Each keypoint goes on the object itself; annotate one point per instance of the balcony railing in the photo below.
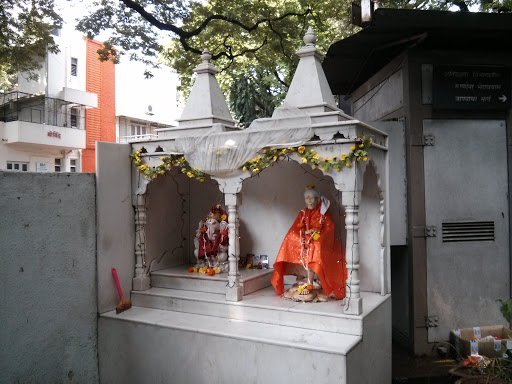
(39, 109)
(133, 138)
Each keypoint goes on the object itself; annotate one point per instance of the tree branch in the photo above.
(461, 4)
(183, 34)
(281, 81)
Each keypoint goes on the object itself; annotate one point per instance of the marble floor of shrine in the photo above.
(183, 327)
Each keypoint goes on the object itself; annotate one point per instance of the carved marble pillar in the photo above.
(382, 240)
(234, 289)
(141, 281)
(353, 303)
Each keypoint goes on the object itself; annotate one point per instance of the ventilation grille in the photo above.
(468, 231)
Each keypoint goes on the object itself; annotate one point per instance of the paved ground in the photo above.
(408, 369)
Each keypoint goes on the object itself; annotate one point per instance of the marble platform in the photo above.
(188, 333)
(178, 277)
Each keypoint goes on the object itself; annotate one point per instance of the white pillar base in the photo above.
(141, 283)
(234, 294)
(352, 306)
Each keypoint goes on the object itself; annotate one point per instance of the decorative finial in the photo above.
(310, 37)
(206, 57)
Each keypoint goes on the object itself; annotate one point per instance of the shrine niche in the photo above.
(256, 175)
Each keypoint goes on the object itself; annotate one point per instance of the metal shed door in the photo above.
(467, 212)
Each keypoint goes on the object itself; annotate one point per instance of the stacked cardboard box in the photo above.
(492, 341)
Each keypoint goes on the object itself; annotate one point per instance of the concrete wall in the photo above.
(47, 279)
(383, 99)
(116, 225)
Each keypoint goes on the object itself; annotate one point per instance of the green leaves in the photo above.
(506, 309)
(25, 35)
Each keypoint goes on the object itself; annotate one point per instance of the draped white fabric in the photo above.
(220, 153)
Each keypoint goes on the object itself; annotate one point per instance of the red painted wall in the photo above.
(100, 123)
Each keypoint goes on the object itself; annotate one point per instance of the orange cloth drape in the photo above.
(325, 257)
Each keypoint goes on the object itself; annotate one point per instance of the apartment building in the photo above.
(43, 124)
(53, 124)
(144, 105)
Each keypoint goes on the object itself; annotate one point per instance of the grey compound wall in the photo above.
(48, 312)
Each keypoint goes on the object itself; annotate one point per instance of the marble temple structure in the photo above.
(232, 327)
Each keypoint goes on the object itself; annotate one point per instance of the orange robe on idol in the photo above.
(325, 256)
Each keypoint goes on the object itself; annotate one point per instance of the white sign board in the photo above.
(42, 166)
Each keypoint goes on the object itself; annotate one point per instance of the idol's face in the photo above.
(311, 201)
(212, 226)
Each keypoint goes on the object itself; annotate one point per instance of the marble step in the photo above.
(263, 306)
(178, 277)
(143, 345)
(304, 339)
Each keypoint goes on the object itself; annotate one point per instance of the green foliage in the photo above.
(131, 33)
(506, 309)
(253, 95)
(253, 43)
(261, 61)
(25, 36)
(496, 5)
(442, 5)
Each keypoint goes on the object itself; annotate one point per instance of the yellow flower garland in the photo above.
(358, 152)
(167, 163)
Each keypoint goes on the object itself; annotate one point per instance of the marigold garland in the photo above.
(358, 152)
(167, 163)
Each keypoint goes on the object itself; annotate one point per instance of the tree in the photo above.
(252, 41)
(256, 81)
(25, 36)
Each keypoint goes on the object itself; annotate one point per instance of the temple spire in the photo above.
(309, 89)
(206, 104)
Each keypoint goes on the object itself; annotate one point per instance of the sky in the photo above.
(74, 9)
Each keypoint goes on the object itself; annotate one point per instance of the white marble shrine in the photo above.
(347, 341)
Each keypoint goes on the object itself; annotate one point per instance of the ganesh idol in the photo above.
(311, 252)
(211, 241)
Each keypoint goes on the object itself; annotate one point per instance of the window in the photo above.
(137, 129)
(74, 117)
(74, 65)
(58, 165)
(72, 165)
(17, 166)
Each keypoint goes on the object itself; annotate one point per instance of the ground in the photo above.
(408, 369)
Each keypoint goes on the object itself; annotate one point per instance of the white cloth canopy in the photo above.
(220, 153)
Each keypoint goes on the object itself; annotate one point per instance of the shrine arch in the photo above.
(271, 201)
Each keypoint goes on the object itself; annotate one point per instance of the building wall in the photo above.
(100, 122)
(143, 129)
(54, 75)
(34, 86)
(55, 72)
(72, 45)
(402, 90)
(135, 93)
(47, 279)
(35, 157)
